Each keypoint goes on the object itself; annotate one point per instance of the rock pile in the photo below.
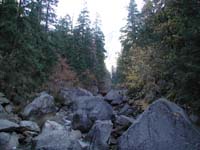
(87, 122)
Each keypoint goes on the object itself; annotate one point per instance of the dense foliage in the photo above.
(26, 52)
(82, 45)
(31, 40)
(161, 52)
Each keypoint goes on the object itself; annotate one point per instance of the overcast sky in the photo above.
(113, 15)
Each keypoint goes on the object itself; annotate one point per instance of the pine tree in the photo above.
(128, 39)
(49, 12)
(99, 50)
(165, 55)
(25, 50)
(83, 39)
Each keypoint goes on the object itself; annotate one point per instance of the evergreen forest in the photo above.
(161, 52)
(33, 40)
(61, 90)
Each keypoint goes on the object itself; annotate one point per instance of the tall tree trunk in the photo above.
(47, 17)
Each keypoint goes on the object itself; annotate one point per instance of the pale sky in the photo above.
(113, 15)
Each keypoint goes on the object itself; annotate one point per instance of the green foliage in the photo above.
(25, 49)
(29, 46)
(82, 45)
(164, 51)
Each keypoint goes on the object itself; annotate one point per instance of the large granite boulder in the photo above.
(98, 136)
(3, 100)
(30, 125)
(51, 126)
(163, 126)
(127, 110)
(68, 95)
(8, 141)
(116, 96)
(124, 121)
(43, 104)
(88, 109)
(7, 126)
(55, 137)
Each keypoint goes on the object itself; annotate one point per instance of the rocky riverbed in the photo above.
(77, 120)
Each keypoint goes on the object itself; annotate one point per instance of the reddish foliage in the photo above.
(62, 76)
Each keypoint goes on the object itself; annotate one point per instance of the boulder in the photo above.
(81, 121)
(163, 126)
(2, 110)
(41, 105)
(126, 110)
(194, 118)
(88, 109)
(94, 90)
(4, 101)
(56, 140)
(30, 125)
(55, 137)
(9, 108)
(121, 124)
(64, 117)
(68, 95)
(124, 121)
(2, 95)
(99, 135)
(5, 105)
(51, 126)
(11, 117)
(54, 126)
(116, 96)
(75, 134)
(8, 141)
(7, 126)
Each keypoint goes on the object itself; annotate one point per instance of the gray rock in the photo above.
(75, 134)
(8, 141)
(124, 120)
(9, 108)
(163, 126)
(194, 118)
(2, 110)
(41, 105)
(115, 96)
(81, 121)
(63, 117)
(94, 90)
(30, 125)
(84, 145)
(6, 125)
(99, 135)
(126, 110)
(121, 124)
(4, 101)
(88, 109)
(55, 137)
(11, 117)
(56, 140)
(2, 95)
(68, 95)
(51, 126)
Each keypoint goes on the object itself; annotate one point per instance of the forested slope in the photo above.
(33, 40)
(161, 52)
